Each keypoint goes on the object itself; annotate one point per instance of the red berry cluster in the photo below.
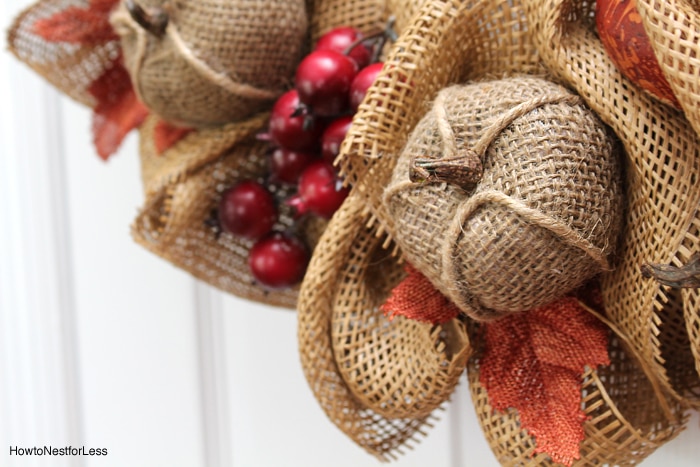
(307, 126)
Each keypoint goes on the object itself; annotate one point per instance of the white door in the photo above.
(106, 346)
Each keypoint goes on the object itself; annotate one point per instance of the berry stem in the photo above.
(378, 39)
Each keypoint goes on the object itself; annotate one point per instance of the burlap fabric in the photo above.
(70, 68)
(543, 218)
(378, 380)
(183, 186)
(217, 61)
(663, 166)
(625, 424)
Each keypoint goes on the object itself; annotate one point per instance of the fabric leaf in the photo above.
(534, 361)
(166, 135)
(416, 298)
(118, 109)
(78, 25)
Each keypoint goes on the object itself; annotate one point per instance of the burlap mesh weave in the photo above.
(183, 187)
(217, 61)
(543, 219)
(71, 68)
(625, 424)
(663, 195)
(378, 380)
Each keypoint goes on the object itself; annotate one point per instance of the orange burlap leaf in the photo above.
(166, 135)
(77, 25)
(416, 298)
(118, 110)
(533, 362)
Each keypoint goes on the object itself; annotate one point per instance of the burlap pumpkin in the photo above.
(378, 380)
(215, 61)
(544, 216)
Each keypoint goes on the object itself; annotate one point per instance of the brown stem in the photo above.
(155, 20)
(464, 170)
(379, 39)
(687, 276)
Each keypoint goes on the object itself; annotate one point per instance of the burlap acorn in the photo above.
(378, 380)
(203, 63)
(546, 207)
(662, 151)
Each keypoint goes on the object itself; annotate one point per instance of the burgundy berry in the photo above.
(300, 132)
(362, 82)
(286, 165)
(340, 39)
(333, 137)
(278, 260)
(323, 81)
(248, 210)
(319, 191)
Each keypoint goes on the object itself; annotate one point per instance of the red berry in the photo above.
(293, 132)
(319, 191)
(333, 137)
(248, 209)
(287, 165)
(278, 260)
(339, 39)
(323, 81)
(362, 82)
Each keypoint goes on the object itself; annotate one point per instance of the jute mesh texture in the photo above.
(663, 195)
(378, 380)
(218, 61)
(544, 217)
(70, 68)
(626, 422)
(183, 187)
(452, 42)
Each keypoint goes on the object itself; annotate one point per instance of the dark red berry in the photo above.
(248, 210)
(333, 137)
(362, 82)
(286, 165)
(323, 81)
(320, 191)
(340, 39)
(300, 132)
(278, 260)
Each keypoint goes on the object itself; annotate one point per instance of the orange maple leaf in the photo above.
(534, 361)
(118, 109)
(78, 25)
(165, 135)
(416, 298)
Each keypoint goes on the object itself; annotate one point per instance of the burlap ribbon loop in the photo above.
(662, 152)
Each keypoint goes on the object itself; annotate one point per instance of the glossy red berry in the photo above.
(319, 191)
(323, 81)
(300, 132)
(286, 165)
(333, 137)
(340, 39)
(278, 260)
(362, 82)
(248, 210)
